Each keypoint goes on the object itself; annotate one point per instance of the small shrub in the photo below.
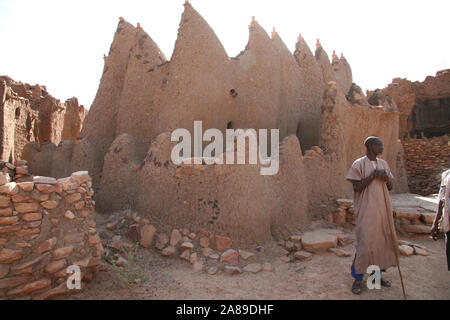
(131, 273)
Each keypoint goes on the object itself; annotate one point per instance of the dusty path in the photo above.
(324, 277)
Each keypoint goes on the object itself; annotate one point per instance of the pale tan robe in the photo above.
(376, 240)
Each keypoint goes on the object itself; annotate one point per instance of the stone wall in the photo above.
(46, 225)
(426, 159)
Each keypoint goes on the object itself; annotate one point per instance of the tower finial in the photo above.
(138, 27)
(274, 32)
(334, 56)
(252, 23)
(318, 45)
(299, 38)
(186, 3)
(342, 57)
(121, 19)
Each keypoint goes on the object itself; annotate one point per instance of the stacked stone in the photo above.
(408, 219)
(414, 220)
(46, 225)
(344, 214)
(302, 247)
(18, 172)
(426, 159)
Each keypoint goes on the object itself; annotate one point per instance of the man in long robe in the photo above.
(442, 221)
(376, 241)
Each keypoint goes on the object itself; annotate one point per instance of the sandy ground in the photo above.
(324, 277)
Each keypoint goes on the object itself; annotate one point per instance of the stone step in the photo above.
(317, 241)
(428, 217)
(410, 213)
(417, 228)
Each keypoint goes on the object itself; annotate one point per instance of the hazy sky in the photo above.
(61, 43)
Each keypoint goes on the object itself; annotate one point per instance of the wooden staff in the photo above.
(395, 246)
(400, 273)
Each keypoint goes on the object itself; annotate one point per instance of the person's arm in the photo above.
(360, 185)
(435, 227)
(389, 182)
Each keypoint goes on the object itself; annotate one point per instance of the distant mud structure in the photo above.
(424, 128)
(30, 114)
(322, 117)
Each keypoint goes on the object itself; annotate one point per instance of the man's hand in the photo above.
(381, 174)
(435, 232)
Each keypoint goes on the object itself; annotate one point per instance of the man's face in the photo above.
(377, 147)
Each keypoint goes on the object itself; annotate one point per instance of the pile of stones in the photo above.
(202, 250)
(303, 247)
(46, 226)
(344, 214)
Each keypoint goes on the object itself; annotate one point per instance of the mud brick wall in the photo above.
(30, 114)
(46, 225)
(426, 159)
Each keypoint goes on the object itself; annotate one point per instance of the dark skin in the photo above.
(435, 228)
(374, 149)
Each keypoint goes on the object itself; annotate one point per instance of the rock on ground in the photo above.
(420, 251)
(406, 250)
(340, 252)
(230, 256)
(317, 241)
(161, 240)
(147, 234)
(169, 251)
(253, 268)
(302, 255)
(231, 270)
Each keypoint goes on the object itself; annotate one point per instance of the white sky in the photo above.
(61, 44)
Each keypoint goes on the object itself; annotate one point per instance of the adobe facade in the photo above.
(125, 141)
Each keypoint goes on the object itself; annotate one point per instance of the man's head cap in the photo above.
(370, 140)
